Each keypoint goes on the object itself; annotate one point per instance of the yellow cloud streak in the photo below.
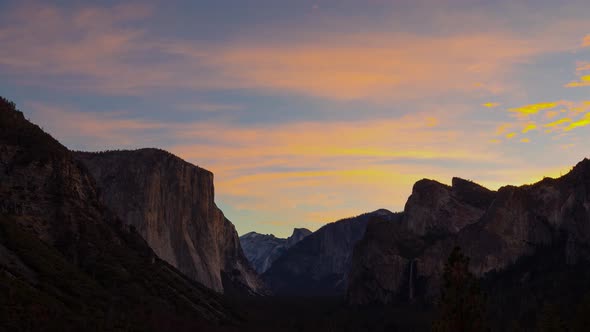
(580, 123)
(584, 81)
(557, 123)
(526, 110)
(491, 105)
(529, 127)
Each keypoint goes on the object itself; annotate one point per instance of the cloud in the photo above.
(527, 110)
(582, 66)
(580, 123)
(528, 127)
(557, 123)
(209, 107)
(491, 105)
(551, 114)
(502, 128)
(525, 140)
(586, 41)
(575, 118)
(110, 50)
(584, 81)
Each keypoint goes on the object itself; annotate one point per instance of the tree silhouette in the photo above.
(461, 307)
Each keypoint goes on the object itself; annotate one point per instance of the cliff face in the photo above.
(437, 209)
(262, 250)
(319, 264)
(64, 254)
(171, 204)
(494, 229)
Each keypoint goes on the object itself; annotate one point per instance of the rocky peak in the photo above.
(472, 193)
(298, 235)
(262, 250)
(436, 208)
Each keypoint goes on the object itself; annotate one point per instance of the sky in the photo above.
(311, 111)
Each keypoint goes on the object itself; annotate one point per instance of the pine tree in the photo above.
(462, 305)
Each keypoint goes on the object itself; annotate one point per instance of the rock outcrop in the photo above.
(319, 264)
(262, 250)
(66, 261)
(495, 229)
(171, 204)
(437, 209)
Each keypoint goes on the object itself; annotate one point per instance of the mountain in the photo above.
(171, 205)
(319, 264)
(401, 261)
(67, 262)
(263, 249)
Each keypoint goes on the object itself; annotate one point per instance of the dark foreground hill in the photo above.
(67, 262)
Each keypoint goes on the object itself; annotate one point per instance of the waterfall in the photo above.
(411, 281)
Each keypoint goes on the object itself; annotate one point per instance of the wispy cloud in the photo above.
(490, 105)
(97, 49)
(584, 81)
(527, 110)
(580, 123)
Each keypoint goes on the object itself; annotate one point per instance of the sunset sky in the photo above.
(311, 111)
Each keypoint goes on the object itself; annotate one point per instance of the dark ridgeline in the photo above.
(319, 264)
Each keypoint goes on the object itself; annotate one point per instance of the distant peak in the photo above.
(426, 185)
(382, 212)
(304, 231)
(250, 234)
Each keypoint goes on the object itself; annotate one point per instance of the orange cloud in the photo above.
(369, 65)
(525, 140)
(582, 66)
(501, 129)
(551, 114)
(586, 41)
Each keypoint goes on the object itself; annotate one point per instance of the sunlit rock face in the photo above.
(171, 204)
(319, 264)
(495, 229)
(262, 250)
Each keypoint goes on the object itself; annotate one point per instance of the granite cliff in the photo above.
(171, 205)
(262, 250)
